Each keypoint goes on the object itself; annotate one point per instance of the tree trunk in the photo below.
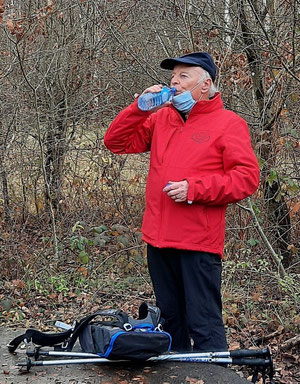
(56, 149)
(278, 215)
(278, 212)
(4, 182)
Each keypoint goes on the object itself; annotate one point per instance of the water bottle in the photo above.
(149, 100)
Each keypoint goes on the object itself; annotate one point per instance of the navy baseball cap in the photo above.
(198, 59)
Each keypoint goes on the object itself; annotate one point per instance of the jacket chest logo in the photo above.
(200, 137)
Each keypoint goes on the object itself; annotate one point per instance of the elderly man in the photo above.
(201, 160)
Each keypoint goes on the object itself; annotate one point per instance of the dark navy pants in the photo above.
(187, 287)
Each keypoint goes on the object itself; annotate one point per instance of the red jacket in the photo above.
(211, 150)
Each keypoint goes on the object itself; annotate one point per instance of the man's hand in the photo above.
(177, 190)
(155, 89)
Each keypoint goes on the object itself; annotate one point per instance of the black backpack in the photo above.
(109, 333)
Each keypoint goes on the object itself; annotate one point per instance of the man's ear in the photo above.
(206, 85)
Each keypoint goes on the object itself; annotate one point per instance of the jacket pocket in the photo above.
(186, 224)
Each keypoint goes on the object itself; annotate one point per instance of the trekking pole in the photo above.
(260, 360)
(41, 363)
(223, 360)
(232, 355)
(259, 364)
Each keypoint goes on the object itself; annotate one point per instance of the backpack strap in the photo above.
(39, 338)
(44, 339)
(148, 314)
(155, 314)
(120, 319)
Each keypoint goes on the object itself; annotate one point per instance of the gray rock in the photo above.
(140, 373)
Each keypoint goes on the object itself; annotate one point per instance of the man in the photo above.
(201, 160)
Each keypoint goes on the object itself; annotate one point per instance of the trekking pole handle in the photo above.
(240, 353)
(252, 362)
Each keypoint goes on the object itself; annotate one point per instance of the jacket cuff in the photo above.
(191, 191)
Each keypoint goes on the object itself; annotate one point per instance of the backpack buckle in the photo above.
(158, 328)
(127, 327)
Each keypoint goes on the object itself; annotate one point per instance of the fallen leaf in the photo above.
(295, 209)
(18, 283)
(235, 345)
(193, 380)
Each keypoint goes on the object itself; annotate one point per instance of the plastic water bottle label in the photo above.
(165, 95)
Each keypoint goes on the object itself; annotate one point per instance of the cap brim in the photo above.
(170, 63)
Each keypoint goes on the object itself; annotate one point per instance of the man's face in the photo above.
(185, 77)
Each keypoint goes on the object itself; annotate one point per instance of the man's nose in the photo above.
(174, 81)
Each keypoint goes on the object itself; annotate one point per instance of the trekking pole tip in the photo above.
(27, 363)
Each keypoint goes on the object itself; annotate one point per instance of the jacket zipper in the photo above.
(164, 197)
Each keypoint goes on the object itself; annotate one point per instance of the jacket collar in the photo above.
(207, 106)
(203, 106)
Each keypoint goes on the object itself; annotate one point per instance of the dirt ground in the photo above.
(123, 373)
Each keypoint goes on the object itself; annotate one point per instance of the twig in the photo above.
(258, 227)
(190, 28)
(290, 343)
(276, 333)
